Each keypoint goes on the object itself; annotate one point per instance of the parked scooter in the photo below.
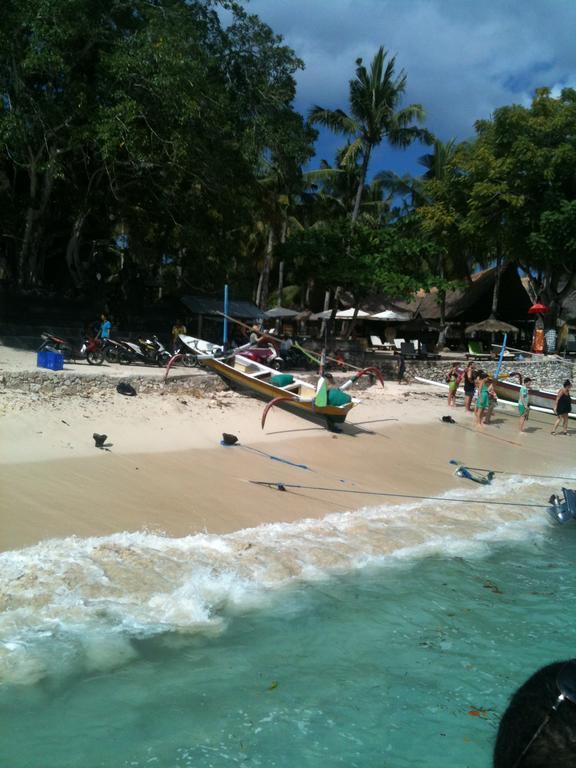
(265, 355)
(149, 351)
(90, 349)
(51, 343)
(112, 349)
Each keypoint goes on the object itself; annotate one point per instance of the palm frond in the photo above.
(334, 119)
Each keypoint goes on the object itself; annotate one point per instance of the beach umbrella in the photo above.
(326, 315)
(348, 314)
(491, 325)
(538, 309)
(279, 312)
(391, 316)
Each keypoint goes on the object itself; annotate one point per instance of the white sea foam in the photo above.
(77, 603)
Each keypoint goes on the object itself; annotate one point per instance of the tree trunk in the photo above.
(30, 263)
(496, 291)
(354, 320)
(280, 282)
(73, 249)
(361, 183)
(264, 288)
(441, 343)
(325, 309)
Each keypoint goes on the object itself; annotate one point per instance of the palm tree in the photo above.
(374, 115)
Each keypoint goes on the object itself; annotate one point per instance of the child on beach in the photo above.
(524, 403)
(492, 402)
(453, 380)
(562, 407)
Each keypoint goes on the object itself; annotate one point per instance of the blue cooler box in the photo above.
(54, 361)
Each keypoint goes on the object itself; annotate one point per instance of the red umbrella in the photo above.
(538, 309)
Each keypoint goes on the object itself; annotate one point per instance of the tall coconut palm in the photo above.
(374, 98)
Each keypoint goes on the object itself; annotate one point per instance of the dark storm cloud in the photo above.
(464, 58)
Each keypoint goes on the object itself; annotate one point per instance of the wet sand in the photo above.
(166, 471)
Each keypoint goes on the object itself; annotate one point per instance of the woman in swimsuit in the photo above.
(469, 377)
(562, 407)
(452, 379)
(483, 400)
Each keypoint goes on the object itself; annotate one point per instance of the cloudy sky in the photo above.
(463, 58)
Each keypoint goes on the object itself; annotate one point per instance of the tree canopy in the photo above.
(148, 146)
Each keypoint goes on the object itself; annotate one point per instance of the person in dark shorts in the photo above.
(469, 386)
(562, 407)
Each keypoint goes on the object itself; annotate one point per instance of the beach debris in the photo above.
(64, 422)
(492, 587)
(466, 474)
(479, 712)
(228, 439)
(99, 440)
(448, 420)
(124, 388)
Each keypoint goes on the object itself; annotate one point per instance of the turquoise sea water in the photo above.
(400, 661)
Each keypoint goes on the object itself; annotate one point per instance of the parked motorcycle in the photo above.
(265, 355)
(149, 351)
(51, 343)
(112, 349)
(90, 349)
(295, 359)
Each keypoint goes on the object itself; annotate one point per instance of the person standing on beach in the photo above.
(492, 402)
(177, 329)
(105, 326)
(524, 403)
(453, 380)
(401, 369)
(562, 407)
(469, 386)
(483, 400)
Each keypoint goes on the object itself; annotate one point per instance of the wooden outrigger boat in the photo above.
(541, 399)
(297, 395)
(292, 393)
(509, 392)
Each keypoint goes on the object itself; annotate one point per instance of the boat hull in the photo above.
(508, 390)
(264, 390)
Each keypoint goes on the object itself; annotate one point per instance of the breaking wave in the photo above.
(76, 604)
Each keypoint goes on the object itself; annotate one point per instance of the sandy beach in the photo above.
(165, 470)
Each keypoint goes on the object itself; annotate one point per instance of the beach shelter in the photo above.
(280, 312)
(391, 316)
(348, 314)
(491, 325)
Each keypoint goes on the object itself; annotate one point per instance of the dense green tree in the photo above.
(143, 120)
(521, 175)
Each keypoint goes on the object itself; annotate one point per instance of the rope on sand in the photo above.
(286, 486)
